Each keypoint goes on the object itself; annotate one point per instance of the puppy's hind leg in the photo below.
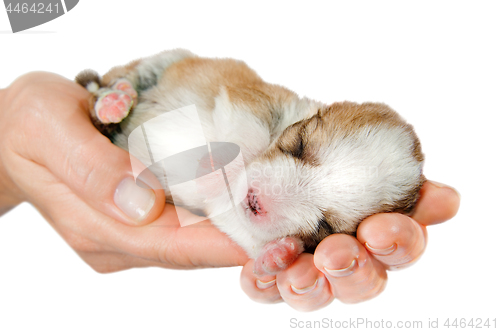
(107, 106)
(144, 73)
(115, 95)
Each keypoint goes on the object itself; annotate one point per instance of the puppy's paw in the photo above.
(112, 106)
(277, 255)
(124, 85)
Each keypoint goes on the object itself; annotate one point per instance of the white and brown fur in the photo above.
(339, 163)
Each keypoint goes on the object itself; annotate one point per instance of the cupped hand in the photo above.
(52, 156)
(354, 269)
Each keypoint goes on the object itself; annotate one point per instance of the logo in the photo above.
(26, 14)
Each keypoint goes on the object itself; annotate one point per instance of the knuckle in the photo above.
(375, 287)
(248, 283)
(175, 253)
(79, 166)
(374, 292)
(104, 263)
(80, 244)
(366, 295)
(169, 253)
(104, 269)
(268, 296)
(407, 255)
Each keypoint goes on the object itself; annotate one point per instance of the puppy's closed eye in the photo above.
(298, 141)
(292, 143)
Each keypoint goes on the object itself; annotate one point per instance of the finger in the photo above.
(109, 262)
(163, 241)
(199, 244)
(437, 203)
(102, 257)
(260, 289)
(86, 161)
(303, 286)
(394, 239)
(354, 276)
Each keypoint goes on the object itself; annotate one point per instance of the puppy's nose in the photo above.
(254, 203)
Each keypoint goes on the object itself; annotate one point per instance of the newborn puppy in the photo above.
(311, 169)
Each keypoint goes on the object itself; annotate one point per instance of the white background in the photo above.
(436, 63)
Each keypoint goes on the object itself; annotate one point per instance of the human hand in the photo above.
(52, 156)
(354, 270)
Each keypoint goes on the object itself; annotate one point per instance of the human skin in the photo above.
(52, 157)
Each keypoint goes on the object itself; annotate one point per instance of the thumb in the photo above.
(81, 157)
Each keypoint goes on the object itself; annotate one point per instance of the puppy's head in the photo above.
(325, 174)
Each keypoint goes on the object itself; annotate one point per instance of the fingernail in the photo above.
(134, 201)
(381, 252)
(342, 272)
(301, 291)
(442, 185)
(265, 285)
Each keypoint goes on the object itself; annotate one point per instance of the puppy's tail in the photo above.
(89, 79)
